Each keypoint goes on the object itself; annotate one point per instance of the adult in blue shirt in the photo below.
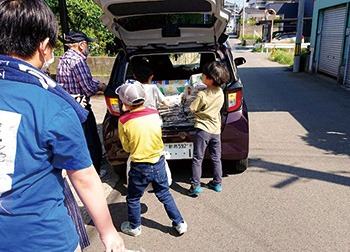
(40, 135)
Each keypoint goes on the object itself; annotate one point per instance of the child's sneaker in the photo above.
(128, 230)
(195, 191)
(217, 188)
(181, 227)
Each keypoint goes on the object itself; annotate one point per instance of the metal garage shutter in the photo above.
(331, 40)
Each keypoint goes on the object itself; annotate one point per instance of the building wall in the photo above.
(289, 10)
(319, 7)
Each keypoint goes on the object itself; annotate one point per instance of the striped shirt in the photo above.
(74, 75)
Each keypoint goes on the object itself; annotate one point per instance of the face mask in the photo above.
(86, 52)
(47, 63)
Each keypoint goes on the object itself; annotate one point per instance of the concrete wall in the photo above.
(249, 30)
(100, 67)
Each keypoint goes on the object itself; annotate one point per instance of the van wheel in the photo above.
(235, 166)
(240, 166)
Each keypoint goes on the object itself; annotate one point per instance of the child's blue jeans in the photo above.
(140, 175)
(202, 140)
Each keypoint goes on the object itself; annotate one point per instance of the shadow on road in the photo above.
(155, 225)
(120, 214)
(319, 105)
(297, 173)
(181, 173)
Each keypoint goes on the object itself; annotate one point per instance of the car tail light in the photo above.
(234, 100)
(113, 105)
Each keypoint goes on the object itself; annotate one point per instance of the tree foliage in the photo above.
(84, 15)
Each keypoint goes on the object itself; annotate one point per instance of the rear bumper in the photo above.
(234, 138)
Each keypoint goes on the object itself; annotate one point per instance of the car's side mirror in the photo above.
(240, 61)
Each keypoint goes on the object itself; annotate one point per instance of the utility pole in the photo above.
(243, 13)
(297, 50)
(64, 19)
(234, 17)
(270, 14)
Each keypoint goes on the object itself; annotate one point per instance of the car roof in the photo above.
(167, 24)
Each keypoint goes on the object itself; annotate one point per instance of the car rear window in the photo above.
(174, 66)
(169, 6)
(150, 22)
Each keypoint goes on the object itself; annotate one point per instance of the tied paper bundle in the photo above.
(196, 83)
(179, 113)
(176, 115)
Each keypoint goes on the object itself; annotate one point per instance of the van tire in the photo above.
(240, 166)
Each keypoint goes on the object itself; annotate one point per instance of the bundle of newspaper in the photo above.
(196, 83)
(179, 111)
(176, 115)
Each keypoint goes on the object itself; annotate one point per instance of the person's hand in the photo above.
(176, 100)
(84, 102)
(113, 242)
(102, 86)
(182, 97)
(81, 99)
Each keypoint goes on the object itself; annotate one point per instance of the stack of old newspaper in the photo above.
(179, 113)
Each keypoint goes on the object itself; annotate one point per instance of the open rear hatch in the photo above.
(154, 24)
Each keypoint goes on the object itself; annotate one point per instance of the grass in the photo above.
(282, 56)
(258, 49)
(249, 37)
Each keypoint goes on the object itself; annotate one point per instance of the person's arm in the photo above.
(166, 103)
(63, 134)
(89, 85)
(160, 97)
(196, 104)
(88, 185)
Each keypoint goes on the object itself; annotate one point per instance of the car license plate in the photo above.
(178, 150)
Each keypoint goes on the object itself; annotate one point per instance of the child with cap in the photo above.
(141, 136)
(206, 107)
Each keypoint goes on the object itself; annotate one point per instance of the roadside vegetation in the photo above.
(258, 49)
(84, 15)
(256, 38)
(282, 56)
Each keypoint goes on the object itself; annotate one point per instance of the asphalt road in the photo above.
(294, 195)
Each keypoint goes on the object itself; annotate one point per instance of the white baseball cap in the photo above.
(131, 93)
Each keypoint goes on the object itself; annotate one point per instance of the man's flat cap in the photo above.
(76, 36)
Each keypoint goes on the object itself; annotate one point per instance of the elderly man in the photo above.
(74, 75)
(40, 134)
